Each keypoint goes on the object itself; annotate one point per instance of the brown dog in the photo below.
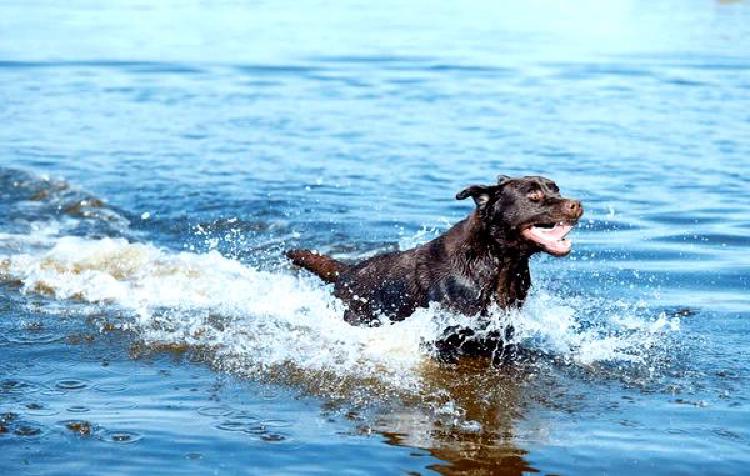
(481, 260)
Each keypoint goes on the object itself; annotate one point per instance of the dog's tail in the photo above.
(324, 266)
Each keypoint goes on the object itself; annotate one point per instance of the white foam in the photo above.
(255, 319)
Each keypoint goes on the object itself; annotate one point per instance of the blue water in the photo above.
(156, 159)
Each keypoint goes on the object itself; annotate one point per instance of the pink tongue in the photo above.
(552, 239)
(556, 233)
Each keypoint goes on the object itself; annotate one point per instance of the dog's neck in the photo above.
(498, 264)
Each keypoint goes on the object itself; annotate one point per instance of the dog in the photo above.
(483, 260)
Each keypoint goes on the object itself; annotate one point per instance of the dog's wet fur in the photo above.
(482, 260)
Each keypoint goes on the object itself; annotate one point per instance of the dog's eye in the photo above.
(535, 196)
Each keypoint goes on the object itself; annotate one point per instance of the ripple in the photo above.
(78, 409)
(121, 405)
(728, 434)
(240, 421)
(28, 429)
(39, 369)
(37, 409)
(71, 384)
(16, 386)
(121, 437)
(257, 430)
(250, 425)
(110, 387)
(244, 415)
(232, 425)
(696, 403)
(34, 338)
(52, 392)
(8, 417)
(276, 423)
(215, 411)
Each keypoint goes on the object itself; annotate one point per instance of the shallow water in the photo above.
(156, 160)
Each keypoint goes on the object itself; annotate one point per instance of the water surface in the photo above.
(156, 160)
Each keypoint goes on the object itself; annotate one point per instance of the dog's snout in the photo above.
(573, 208)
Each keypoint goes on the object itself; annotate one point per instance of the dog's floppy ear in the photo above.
(501, 179)
(480, 193)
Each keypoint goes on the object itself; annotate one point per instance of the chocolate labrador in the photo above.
(481, 260)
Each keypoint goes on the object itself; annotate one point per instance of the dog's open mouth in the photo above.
(551, 237)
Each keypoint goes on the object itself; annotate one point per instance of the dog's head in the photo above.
(527, 211)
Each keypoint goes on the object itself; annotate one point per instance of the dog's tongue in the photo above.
(551, 239)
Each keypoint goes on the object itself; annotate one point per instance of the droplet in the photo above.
(471, 426)
(80, 427)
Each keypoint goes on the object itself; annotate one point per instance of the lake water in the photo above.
(156, 158)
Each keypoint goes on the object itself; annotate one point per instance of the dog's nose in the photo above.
(573, 208)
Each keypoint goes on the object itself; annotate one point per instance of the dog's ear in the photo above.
(501, 179)
(480, 193)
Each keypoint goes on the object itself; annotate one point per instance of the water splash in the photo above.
(254, 320)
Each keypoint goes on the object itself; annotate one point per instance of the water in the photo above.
(156, 160)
